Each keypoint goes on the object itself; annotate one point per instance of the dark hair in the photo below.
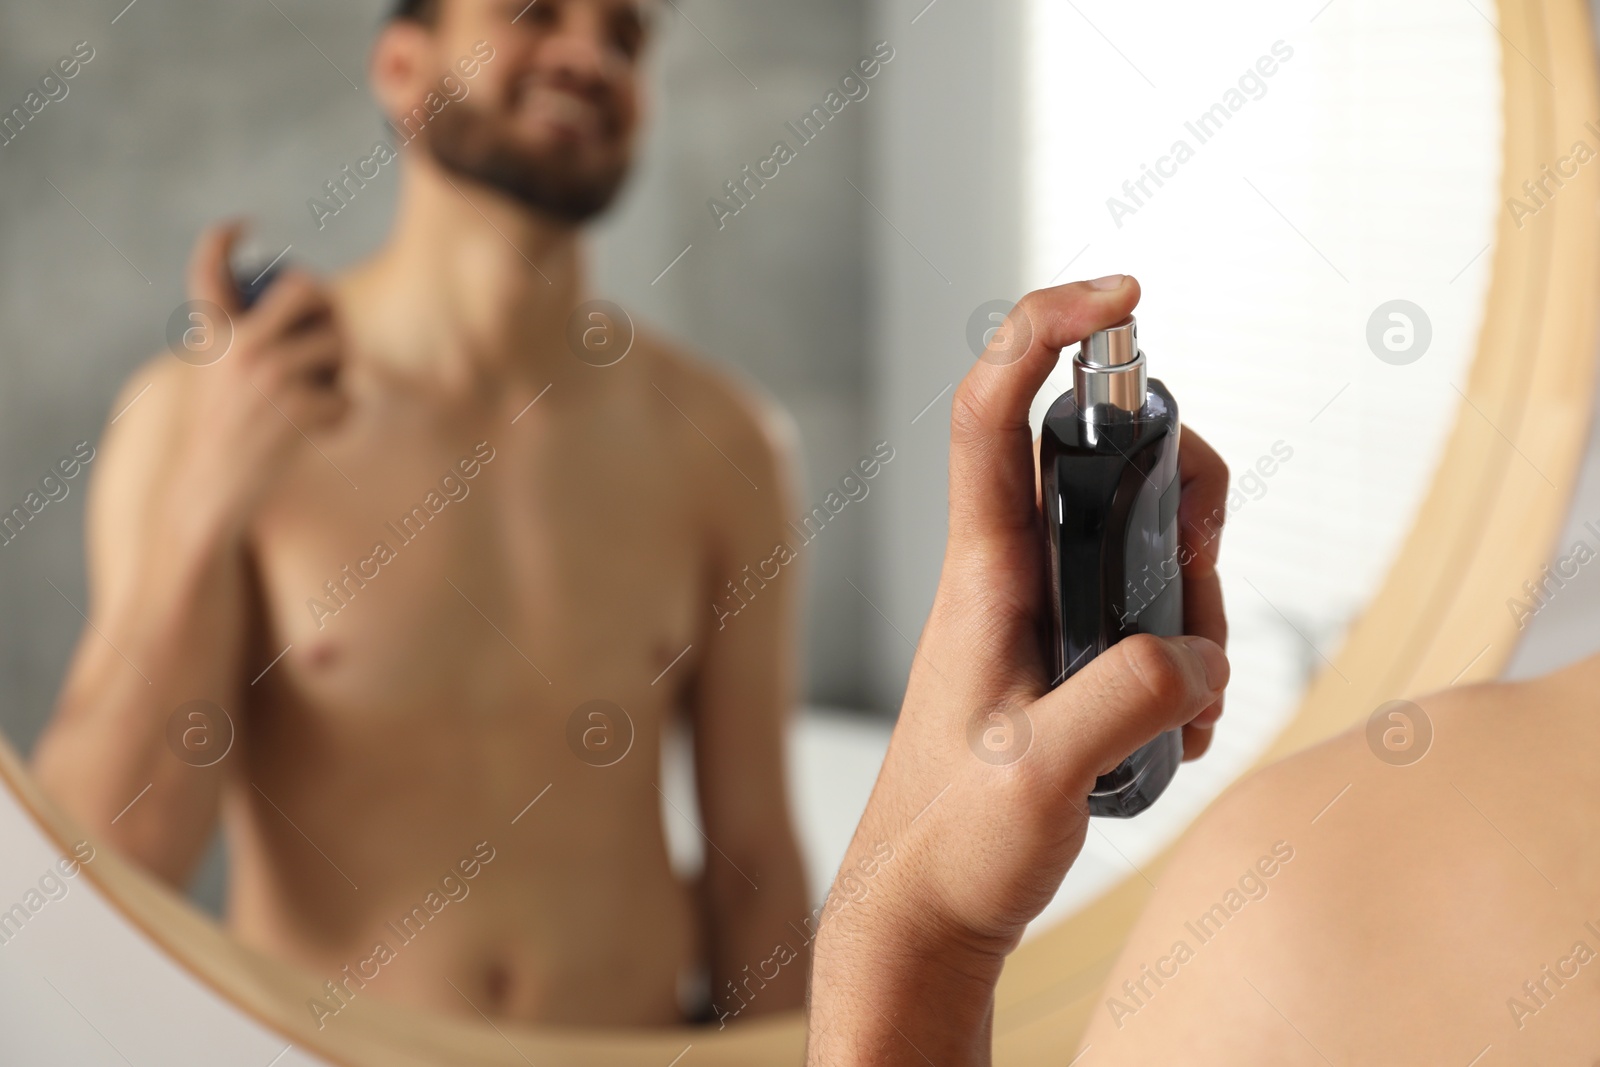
(416, 10)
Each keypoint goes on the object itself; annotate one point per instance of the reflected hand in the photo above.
(278, 378)
(984, 789)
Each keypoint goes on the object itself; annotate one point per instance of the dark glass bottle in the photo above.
(1108, 457)
(253, 284)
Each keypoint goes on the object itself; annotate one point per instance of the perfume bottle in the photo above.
(253, 283)
(1108, 458)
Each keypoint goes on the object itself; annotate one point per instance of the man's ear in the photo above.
(400, 66)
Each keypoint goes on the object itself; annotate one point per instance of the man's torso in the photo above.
(455, 581)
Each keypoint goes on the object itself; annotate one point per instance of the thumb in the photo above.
(210, 276)
(1127, 696)
(993, 505)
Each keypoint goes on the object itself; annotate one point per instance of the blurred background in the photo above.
(1341, 157)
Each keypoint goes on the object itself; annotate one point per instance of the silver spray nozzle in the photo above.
(1113, 346)
(1109, 370)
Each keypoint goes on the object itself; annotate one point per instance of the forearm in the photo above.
(172, 636)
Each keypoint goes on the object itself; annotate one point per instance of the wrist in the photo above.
(202, 520)
(893, 989)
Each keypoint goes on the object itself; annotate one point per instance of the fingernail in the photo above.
(1110, 281)
(1212, 659)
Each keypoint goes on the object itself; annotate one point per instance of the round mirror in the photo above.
(510, 791)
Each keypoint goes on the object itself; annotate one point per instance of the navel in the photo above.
(497, 986)
(322, 655)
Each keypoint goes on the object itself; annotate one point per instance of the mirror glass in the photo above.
(579, 600)
(1318, 223)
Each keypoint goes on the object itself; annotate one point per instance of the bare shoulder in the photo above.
(1338, 883)
(144, 417)
(141, 433)
(733, 431)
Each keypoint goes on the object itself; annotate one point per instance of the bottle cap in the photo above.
(1113, 346)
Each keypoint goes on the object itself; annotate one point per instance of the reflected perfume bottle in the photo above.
(1108, 459)
(253, 283)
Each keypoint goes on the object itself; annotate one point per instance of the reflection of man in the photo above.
(436, 568)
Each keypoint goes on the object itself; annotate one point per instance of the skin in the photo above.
(1449, 882)
(1442, 909)
(907, 975)
(404, 736)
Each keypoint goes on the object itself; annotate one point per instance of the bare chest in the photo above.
(494, 570)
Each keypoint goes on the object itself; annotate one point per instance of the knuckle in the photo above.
(299, 288)
(243, 355)
(1157, 667)
(272, 377)
(260, 352)
(297, 278)
(324, 342)
(967, 421)
(1031, 305)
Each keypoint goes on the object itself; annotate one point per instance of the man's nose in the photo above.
(577, 51)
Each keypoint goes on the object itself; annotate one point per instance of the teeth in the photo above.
(567, 107)
(560, 105)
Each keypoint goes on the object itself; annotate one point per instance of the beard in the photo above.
(553, 182)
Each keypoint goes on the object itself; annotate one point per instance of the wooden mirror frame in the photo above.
(1489, 521)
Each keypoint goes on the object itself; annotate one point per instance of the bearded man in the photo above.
(403, 577)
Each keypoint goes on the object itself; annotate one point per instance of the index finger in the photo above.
(1203, 505)
(1202, 510)
(210, 272)
(993, 505)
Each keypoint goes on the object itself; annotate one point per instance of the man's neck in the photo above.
(472, 285)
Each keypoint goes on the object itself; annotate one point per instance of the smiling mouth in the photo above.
(548, 107)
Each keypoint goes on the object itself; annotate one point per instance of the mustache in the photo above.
(605, 98)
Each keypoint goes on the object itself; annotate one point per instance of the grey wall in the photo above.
(191, 111)
(948, 165)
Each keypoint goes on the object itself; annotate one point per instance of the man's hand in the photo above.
(172, 500)
(277, 380)
(982, 826)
